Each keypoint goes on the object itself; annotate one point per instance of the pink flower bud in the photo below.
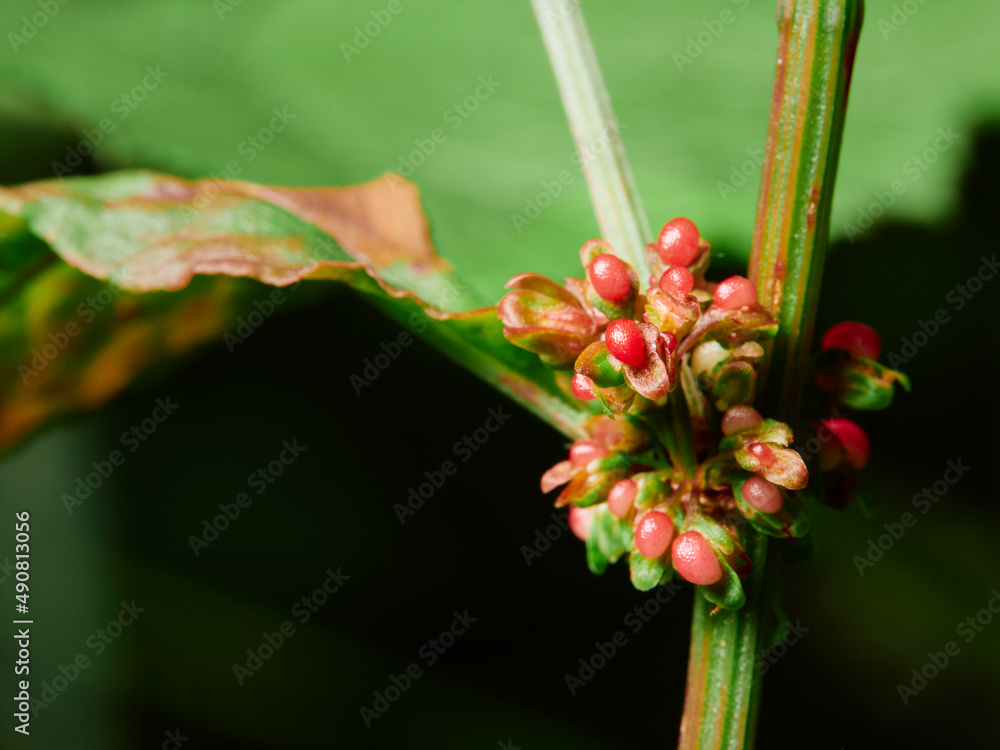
(734, 293)
(762, 495)
(695, 560)
(621, 496)
(582, 452)
(678, 242)
(653, 534)
(624, 341)
(677, 280)
(580, 520)
(609, 277)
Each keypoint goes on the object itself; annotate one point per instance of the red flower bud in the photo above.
(621, 496)
(677, 280)
(678, 242)
(762, 453)
(582, 452)
(859, 339)
(583, 387)
(625, 342)
(653, 534)
(762, 495)
(669, 342)
(852, 438)
(695, 560)
(734, 293)
(609, 277)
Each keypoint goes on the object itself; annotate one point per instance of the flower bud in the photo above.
(621, 497)
(580, 521)
(734, 293)
(857, 338)
(695, 560)
(762, 495)
(653, 533)
(678, 242)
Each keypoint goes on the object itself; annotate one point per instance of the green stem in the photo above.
(815, 54)
(721, 684)
(595, 130)
(815, 57)
(592, 121)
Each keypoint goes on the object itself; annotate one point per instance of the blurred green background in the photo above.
(691, 125)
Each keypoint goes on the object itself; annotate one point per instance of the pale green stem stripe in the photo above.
(595, 129)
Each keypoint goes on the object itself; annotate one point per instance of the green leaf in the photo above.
(647, 574)
(146, 232)
(226, 75)
(728, 591)
(609, 539)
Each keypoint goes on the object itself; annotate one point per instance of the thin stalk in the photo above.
(595, 130)
(817, 41)
(592, 120)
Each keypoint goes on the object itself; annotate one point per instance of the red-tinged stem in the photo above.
(817, 40)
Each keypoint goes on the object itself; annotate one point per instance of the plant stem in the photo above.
(592, 120)
(815, 54)
(595, 130)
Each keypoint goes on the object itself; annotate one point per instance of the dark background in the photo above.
(333, 507)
